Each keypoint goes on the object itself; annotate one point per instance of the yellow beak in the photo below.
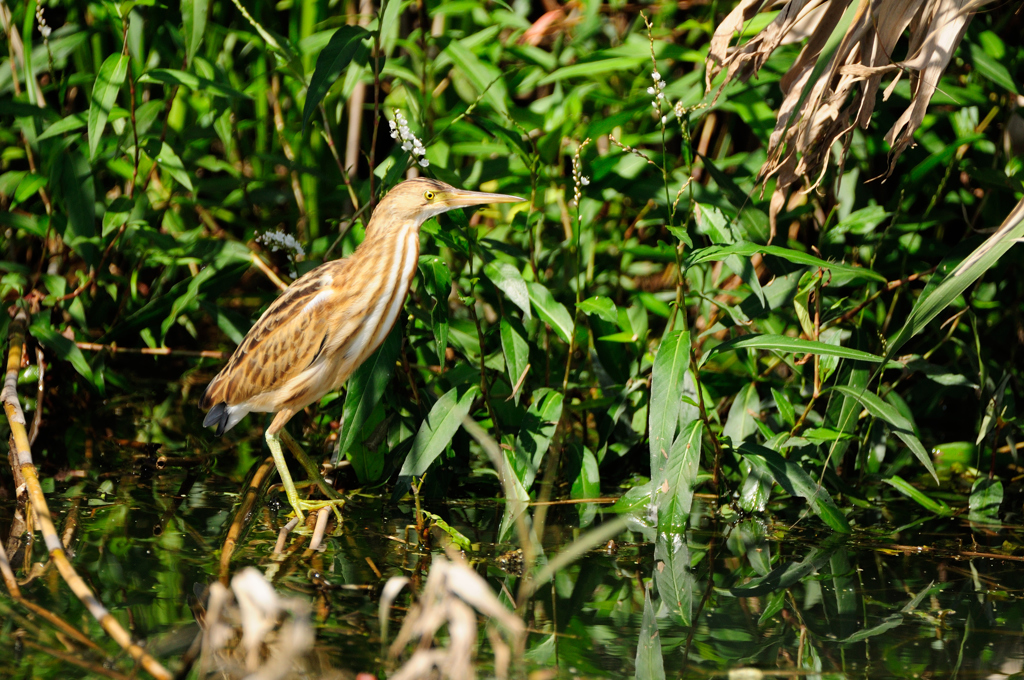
(460, 198)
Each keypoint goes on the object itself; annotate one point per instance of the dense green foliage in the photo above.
(162, 156)
(633, 330)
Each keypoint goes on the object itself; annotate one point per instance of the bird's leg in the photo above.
(312, 469)
(298, 505)
(274, 444)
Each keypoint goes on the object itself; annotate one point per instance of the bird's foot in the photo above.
(300, 507)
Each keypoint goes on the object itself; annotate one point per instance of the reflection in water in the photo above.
(152, 529)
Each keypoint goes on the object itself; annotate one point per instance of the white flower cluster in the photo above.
(658, 92)
(44, 30)
(410, 142)
(278, 240)
(579, 180)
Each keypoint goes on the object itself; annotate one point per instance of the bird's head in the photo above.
(422, 198)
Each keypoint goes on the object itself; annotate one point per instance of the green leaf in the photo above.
(935, 299)
(672, 573)
(586, 485)
(516, 499)
(842, 416)
(937, 507)
(718, 252)
(786, 410)
(517, 353)
(508, 279)
(536, 431)
(512, 138)
(190, 82)
(185, 300)
(650, 665)
(552, 312)
(622, 337)
(331, 63)
(441, 424)
(65, 349)
(667, 410)
(193, 15)
(782, 577)
(745, 409)
(756, 488)
(117, 213)
(901, 425)
(784, 343)
(367, 454)
(773, 605)
(366, 388)
(602, 307)
(170, 161)
(675, 494)
(458, 538)
(104, 92)
(992, 69)
(66, 124)
(486, 78)
(30, 184)
(81, 224)
(893, 620)
(591, 68)
(437, 279)
(796, 482)
(392, 10)
(986, 497)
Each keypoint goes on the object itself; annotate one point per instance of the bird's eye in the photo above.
(429, 195)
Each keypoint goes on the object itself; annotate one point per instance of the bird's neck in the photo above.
(387, 230)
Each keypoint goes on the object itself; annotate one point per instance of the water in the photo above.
(147, 527)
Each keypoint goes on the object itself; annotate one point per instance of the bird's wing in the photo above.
(287, 339)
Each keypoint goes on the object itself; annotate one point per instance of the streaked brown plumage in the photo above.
(311, 339)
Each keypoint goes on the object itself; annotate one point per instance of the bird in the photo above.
(329, 321)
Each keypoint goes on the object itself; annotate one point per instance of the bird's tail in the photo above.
(219, 416)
